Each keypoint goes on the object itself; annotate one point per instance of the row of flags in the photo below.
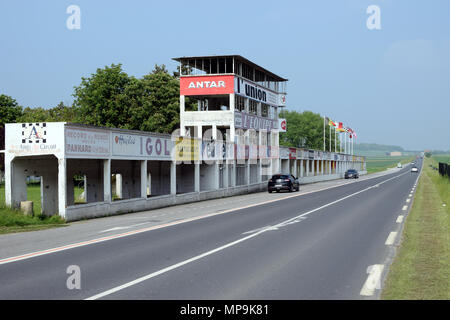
(339, 126)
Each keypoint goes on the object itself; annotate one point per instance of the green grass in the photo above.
(421, 269)
(14, 221)
(442, 158)
(377, 164)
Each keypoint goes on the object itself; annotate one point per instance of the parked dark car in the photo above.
(351, 174)
(280, 182)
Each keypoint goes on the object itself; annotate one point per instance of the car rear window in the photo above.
(280, 177)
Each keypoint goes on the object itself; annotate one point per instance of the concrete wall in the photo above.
(84, 211)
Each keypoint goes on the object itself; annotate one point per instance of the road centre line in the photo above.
(205, 254)
(151, 228)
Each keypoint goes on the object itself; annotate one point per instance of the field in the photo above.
(442, 158)
(422, 267)
(376, 164)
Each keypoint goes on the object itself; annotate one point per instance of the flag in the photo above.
(341, 127)
(331, 122)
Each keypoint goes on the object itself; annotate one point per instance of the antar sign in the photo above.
(206, 85)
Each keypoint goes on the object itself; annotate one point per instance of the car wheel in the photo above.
(269, 191)
(291, 189)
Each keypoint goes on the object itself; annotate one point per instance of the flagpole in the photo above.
(324, 133)
(334, 139)
(330, 138)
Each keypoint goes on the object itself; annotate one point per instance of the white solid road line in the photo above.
(133, 232)
(373, 280)
(391, 239)
(182, 263)
(399, 219)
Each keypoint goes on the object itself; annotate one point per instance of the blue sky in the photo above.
(392, 86)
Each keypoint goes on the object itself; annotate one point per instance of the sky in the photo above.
(391, 84)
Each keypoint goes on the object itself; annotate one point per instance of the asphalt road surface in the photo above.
(328, 243)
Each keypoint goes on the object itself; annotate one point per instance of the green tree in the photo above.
(38, 114)
(63, 113)
(155, 102)
(10, 110)
(305, 130)
(101, 98)
(111, 98)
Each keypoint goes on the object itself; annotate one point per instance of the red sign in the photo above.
(206, 85)
(292, 153)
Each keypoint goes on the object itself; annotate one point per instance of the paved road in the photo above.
(316, 244)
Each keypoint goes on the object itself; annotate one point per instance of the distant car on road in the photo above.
(399, 165)
(351, 174)
(280, 182)
(414, 169)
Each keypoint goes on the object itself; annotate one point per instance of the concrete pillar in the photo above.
(313, 168)
(225, 174)
(247, 172)
(144, 178)
(301, 168)
(119, 192)
(62, 193)
(329, 167)
(233, 173)
(307, 168)
(197, 176)
(106, 181)
(295, 168)
(216, 182)
(173, 178)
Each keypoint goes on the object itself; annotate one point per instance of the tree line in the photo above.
(112, 98)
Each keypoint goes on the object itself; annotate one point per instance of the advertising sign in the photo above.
(292, 153)
(256, 92)
(206, 85)
(87, 142)
(186, 149)
(157, 148)
(247, 121)
(34, 138)
(282, 126)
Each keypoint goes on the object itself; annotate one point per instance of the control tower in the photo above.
(237, 101)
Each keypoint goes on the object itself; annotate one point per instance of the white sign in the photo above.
(87, 142)
(247, 121)
(282, 127)
(258, 93)
(158, 148)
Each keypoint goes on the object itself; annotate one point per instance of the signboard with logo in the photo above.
(247, 121)
(282, 126)
(292, 153)
(87, 142)
(206, 85)
(34, 138)
(256, 92)
(150, 147)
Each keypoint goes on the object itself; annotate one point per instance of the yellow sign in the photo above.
(187, 149)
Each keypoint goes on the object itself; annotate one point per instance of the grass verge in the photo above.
(14, 221)
(421, 269)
